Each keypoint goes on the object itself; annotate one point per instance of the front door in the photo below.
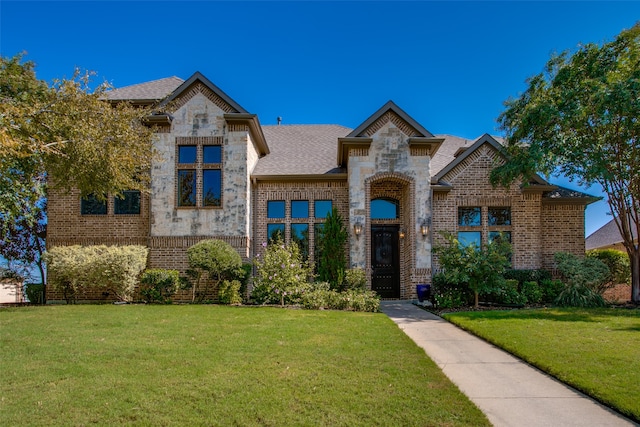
(385, 265)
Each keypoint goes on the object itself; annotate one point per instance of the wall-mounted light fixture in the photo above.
(401, 233)
(357, 228)
(424, 228)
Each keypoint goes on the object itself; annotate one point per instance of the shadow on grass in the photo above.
(552, 314)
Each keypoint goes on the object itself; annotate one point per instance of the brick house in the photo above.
(396, 185)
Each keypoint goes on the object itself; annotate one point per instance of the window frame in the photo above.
(200, 167)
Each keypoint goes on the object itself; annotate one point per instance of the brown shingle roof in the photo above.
(149, 91)
(301, 150)
(606, 236)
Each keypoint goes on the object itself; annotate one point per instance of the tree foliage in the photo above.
(579, 118)
(64, 135)
(480, 267)
(331, 242)
(216, 259)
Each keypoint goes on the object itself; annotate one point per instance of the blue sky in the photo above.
(450, 65)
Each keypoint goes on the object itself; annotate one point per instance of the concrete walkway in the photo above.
(509, 391)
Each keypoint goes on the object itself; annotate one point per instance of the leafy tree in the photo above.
(579, 117)
(63, 135)
(480, 267)
(332, 240)
(215, 258)
(22, 240)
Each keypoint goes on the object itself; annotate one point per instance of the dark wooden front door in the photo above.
(385, 265)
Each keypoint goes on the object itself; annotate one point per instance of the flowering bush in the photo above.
(282, 276)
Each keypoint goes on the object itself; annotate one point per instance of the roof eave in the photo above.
(347, 143)
(307, 177)
(433, 144)
(257, 136)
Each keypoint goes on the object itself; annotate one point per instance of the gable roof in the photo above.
(389, 106)
(606, 236)
(300, 150)
(199, 77)
(147, 92)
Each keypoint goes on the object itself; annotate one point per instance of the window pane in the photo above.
(129, 204)
(186, 187)
(299, 209)
(300, 235)
(211, 187)
(187, 154)
(499, 216)
(275, 232)
(92, 206)
(497, 235)
(275, 209)
(469, 217)
(317, 244)
(467, 238)
(384, 209)
(322, 208)
(212, 154)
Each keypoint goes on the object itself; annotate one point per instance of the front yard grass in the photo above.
(597, 351)
(216, 365)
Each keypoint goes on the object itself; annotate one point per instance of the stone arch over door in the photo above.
(394, 186)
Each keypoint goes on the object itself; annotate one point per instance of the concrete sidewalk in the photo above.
(509, 391)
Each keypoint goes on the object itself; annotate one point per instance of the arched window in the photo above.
(384, 208)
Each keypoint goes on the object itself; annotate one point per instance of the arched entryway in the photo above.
(389, 243)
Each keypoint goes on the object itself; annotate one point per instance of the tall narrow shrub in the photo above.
(332, 240)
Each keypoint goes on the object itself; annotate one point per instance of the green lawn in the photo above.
(597, 350)
(214, 365)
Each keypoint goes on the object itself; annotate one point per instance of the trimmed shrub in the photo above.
(215, 260)
(321, 297)
(531, 292)
(355, 278)
(159, 285)
(537, 275)
(331, 242)
(75, 269)
(505, 292)
(550, 289)
(229, 292)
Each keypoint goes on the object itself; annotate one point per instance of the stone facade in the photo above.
(389, 157)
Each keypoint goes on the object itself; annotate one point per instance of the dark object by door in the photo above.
(385, 271)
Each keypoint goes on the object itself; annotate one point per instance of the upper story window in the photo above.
(384, 209)
(199, 171)
(469, 217)
(90, 205)
(299, 209)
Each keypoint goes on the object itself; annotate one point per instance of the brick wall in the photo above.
(563, 231)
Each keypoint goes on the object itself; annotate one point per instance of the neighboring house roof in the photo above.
(150, 91)
(606, 236)
(301, 150)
